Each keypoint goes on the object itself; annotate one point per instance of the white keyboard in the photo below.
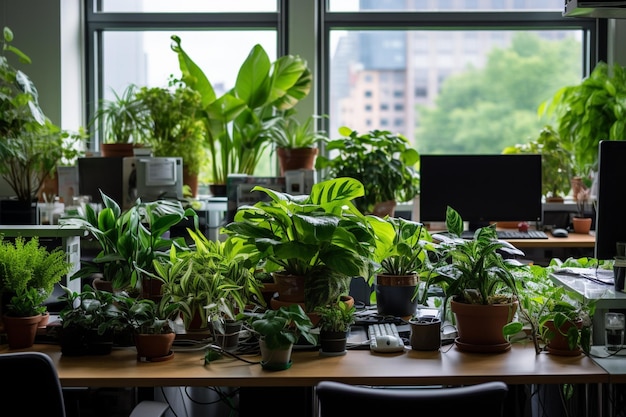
(384, 337)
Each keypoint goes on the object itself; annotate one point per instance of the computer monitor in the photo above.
(610, 214)
(481, 188)
(159, 178)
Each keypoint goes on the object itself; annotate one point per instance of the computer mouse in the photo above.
(559, 232)
(388, 343)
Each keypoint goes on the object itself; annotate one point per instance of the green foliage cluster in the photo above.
(336, 317)
(238, 122)
(91, 309)
(588, 112)
(172, 122)
(282, 327)
(27, 303)
(474, 270)
(321, 236)
(485, 109)
(129, 240)
(31, 145)
(25, 264)
(384, 162)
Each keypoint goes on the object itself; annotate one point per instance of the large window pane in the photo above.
(145, 58)
(444, 5)
(452, 91)
(188, 6)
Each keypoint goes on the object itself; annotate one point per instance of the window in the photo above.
(474, 71)
(131, 44)
(443, 68)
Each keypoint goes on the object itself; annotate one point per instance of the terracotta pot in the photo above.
(154, 347)
(394, 295)
(581, 225)
(289, 287)
(299, 158)
(117, 150)
(385, 208)
(21, 331)
(481, 325)
(191, 180)
(558, 343)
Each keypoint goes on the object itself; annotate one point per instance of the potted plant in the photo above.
(382, 161)
(402, 256)
(581, 222)
(207, 275)
(28, 273)
(172, 125)
(589, 112)
(150, 323)
(479, 284)
(238, 122)
(313, 244)
(129, 240)
(23, 316)
(89, 322)
(278, 331)
(120, 123)
(296, 142)
(31, 146)
(334, 324)
(556, 163)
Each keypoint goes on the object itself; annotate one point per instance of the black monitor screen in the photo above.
(610, 218)
(481, 188)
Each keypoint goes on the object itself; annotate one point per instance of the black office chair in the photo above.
(336, 399)
(29, 383)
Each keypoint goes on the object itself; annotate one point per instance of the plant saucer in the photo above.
(469, 347)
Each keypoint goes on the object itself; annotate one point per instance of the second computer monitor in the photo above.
(481, 188)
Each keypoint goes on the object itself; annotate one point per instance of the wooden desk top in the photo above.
(573, 240)
(450, 366)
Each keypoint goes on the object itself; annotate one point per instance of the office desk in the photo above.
(520, 365)
(573, 240)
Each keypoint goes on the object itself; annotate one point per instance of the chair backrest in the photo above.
(29, 383)
(336, 399)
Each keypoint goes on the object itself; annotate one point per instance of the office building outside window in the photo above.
(453, 76)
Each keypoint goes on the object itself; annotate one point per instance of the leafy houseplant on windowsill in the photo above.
(120, 123)
(296, 142)
(383, 162)
(237, 122)
(31, 146)
(581, 222)
(589, 112)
